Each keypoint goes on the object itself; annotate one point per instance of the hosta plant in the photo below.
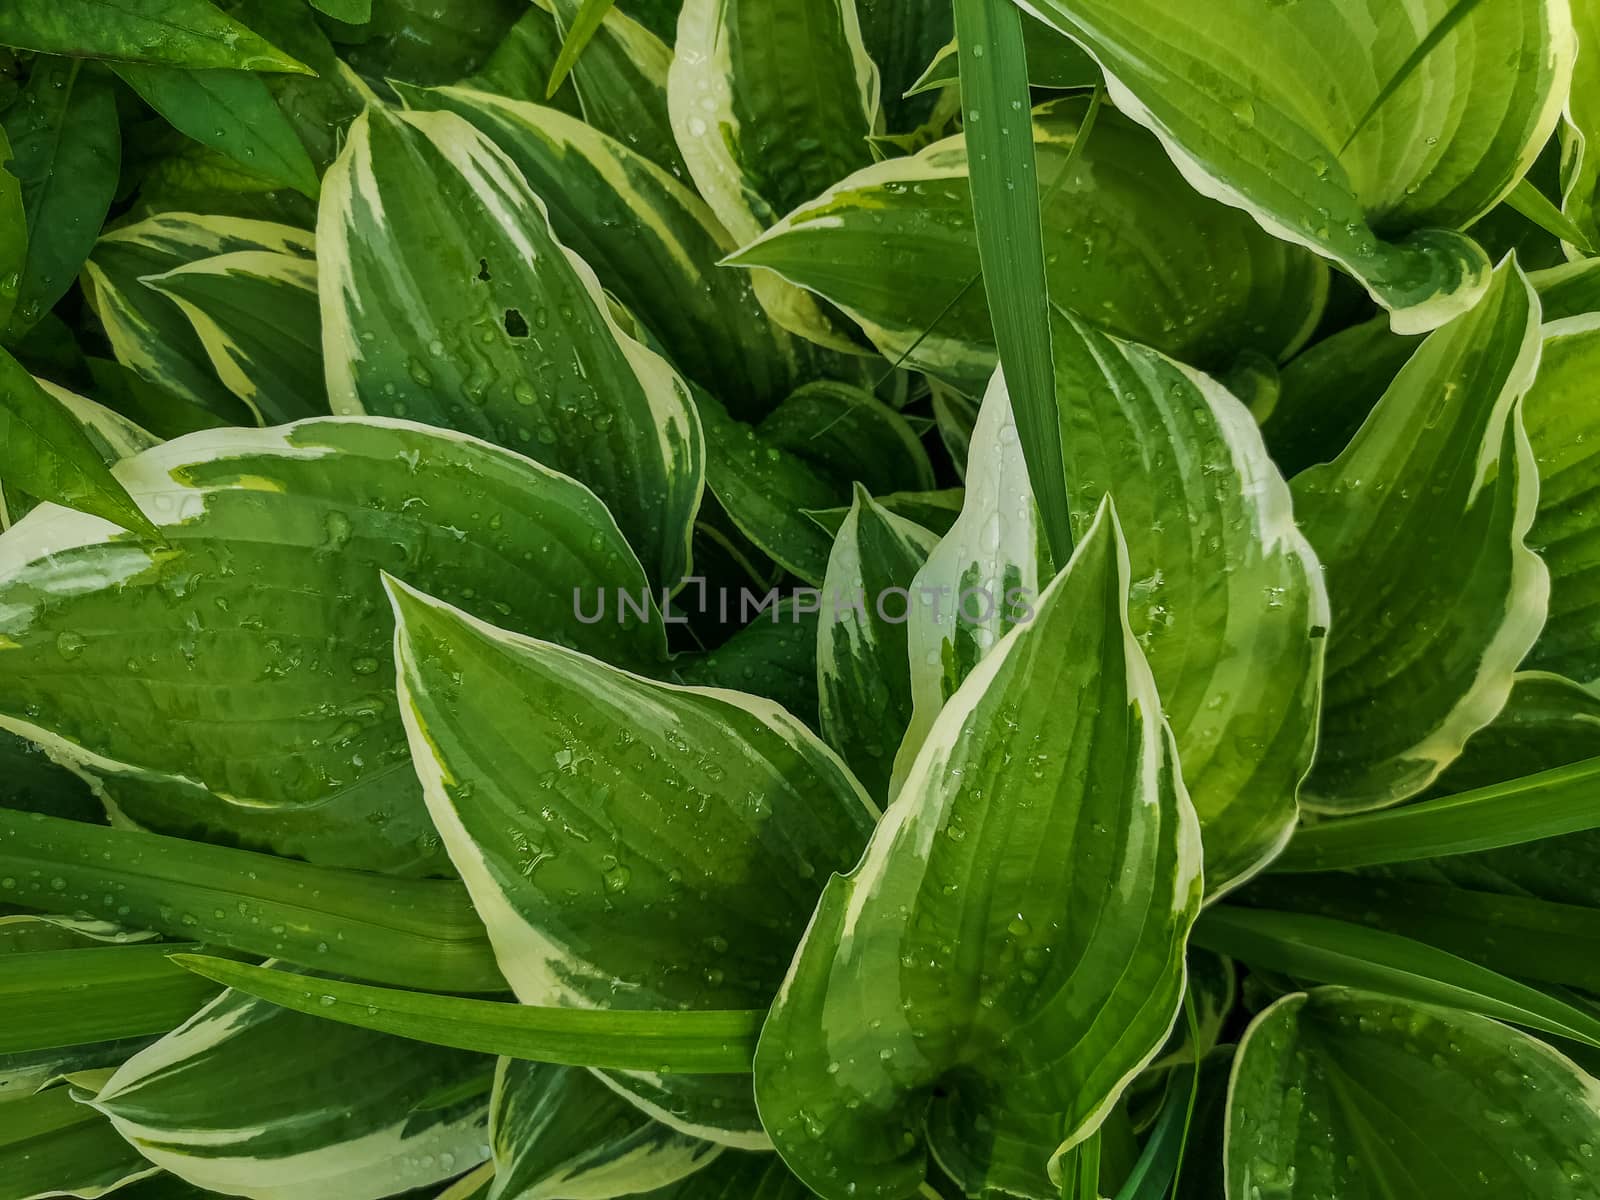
(799, 599)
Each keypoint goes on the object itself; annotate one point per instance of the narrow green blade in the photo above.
(577, 37)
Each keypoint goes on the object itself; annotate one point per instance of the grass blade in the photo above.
(1162, 1157)
(1339, 952)
(695, 1043)
(1537, 207)
(584, 27)
(1414, 60)
(422, 932)
(1006, 209)
(1552, 803)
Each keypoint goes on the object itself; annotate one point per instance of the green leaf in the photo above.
(422, 932)
(250, 1100)
(894, 247)
(149, 334)
(1554, 802)
(1531, 203)
(935, 511)
(1345, 1093)
(982, 580)
(1566, 530)
(1420, 523)
(761, 137)
(55, 998)
(13, 231)
(901, 36)
(352, 12)
(1213, 548)
(580, 31)
(631, 844)
(706, 318)
(51, 1145)
(738, 1176)
(1360, 134)
(774, 656)
(1054, 62)
(519, 69)
(1003, 174)
(30, 782)
(561, 1131)
(706, 1043)
(232, 112)
(1580, 162)
(1548, 722)
(256, 315)
(236, 684)
(864, 682)
(174, 33)
(962, 991)
(47, 453)
(1570, 290)
(1338, 952)
(65, 151)
(446, 298)
(428, 42)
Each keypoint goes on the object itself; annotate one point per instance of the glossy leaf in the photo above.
(1566, 531)
(1345, 1093)
(1316, 119)
(256, 315)
(354, 1132)
(1420, 523)
(235, 684)
(148, 332)
(1013, 993)
(759, 138)
(560, 1131)
(671, 849)
(864, 680)
(705, 317)
(177, 33)
(774, 656)
(13, 231)
(707, 1043)
(494, 328)
(65, 152)
(422, 932)
(1126, 244)
(52, 1145)
(902, 37)
(1580, 160)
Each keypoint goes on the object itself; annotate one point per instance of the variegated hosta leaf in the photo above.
(1009, 953)
(521, 65)
(29, 1072)
(1563, 424)
(447, 298)
(863, 679)
(112, 435)
(983, 578)
(1228, 599)
(235, 683)
(706, 317)
(621, 80)
(1127, 244)
(249, 1099)
(1420, 523)
(1580, 133)
(1345, 1093)
(774, 657)
(802, 458)
(1347, 126)
(256, 315)
(51, 1145)
(761, 137)
(559, 1132)
(737, 1175)
(629, 844)
(148, 333)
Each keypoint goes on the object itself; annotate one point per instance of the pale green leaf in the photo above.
(630, 844)
(1345, 1093)
(148, 333)
(1347, 126)
(447, 298)
(1227, 600)
(1420, 523)
(761, 137)
(237, 683)
(704, 1043)
(208, 1103)
(51, 1145)
(256, 315)
(864, 680)
(1009, 953)
(175, 33)
(561, 1132)
(1127, 244)
(65, 153)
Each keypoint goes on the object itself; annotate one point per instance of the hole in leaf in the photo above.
(483, 270)
(515, 325)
